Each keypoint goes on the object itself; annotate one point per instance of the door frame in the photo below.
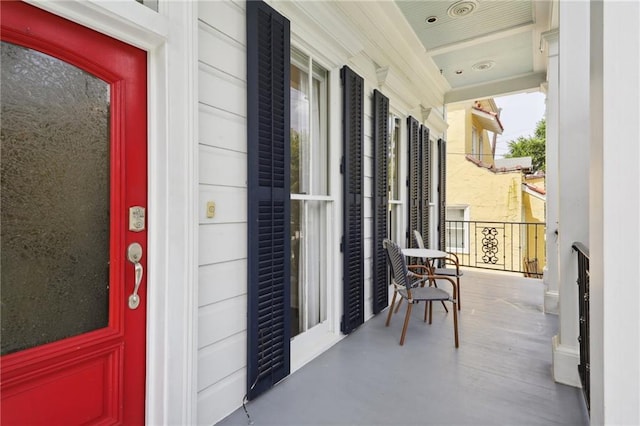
(170, 38)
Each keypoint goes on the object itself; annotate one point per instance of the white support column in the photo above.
(614, 211)
(550, 276)
(573, 179)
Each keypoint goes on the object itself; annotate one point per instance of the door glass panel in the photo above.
(55, 199)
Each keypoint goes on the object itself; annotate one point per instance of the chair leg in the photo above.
(393, 301)
(443, 304)
(406, 322)
(398, 305)
(455, 323)
(458, 287)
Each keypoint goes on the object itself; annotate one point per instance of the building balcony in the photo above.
(501, 373)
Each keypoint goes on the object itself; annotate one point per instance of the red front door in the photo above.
(74, 241)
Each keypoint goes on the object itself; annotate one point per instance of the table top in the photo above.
(424, 253)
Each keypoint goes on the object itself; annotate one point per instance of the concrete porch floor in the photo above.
(500, 374)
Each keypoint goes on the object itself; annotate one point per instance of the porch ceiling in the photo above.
(483, 48)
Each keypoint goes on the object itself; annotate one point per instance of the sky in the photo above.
(519, 116)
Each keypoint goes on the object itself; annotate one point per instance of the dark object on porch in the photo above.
(410, 285)
(531, 268)
(583, 310)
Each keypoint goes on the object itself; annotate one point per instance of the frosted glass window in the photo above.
(55, 199)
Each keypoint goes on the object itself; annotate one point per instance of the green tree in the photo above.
(532, 146)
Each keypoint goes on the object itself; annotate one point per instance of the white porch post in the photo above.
(573, 179)
(614, 227)
(550, 276)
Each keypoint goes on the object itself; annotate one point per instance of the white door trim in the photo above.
(170, 38)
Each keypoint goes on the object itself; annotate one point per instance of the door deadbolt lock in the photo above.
(136, 218)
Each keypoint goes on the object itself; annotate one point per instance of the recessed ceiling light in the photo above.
(483, 66)
(459, 72)
(431, 19)
(462, 8)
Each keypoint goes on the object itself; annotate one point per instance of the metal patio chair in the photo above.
(410, 285)
(451, 259)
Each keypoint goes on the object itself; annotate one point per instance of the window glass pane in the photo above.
(316, 279)
(474, 141)
(456, 229)
(300, 126)
(55, 199)
(319, 135)
(309, 176)
(455, 214)
(297, 266)
(394, 158)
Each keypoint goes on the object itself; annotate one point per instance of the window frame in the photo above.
(305, 343)
(465, 249)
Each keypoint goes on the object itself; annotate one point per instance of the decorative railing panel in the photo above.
(583, 312)
(501, 246)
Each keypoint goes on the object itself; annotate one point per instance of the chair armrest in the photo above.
(450, 280)
(452, 259)
(414, 268)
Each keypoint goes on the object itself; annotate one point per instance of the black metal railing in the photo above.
(500, 246)
(583, 312)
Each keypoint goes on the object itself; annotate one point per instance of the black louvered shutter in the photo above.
(268, 152)
(414, 178)
(425, 185)
(380, 199)
(442, 192)
(353, 215)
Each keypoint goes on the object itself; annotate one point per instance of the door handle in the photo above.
(134, 254)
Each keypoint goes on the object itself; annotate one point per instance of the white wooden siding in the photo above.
(219, 128)
(221, 281)
(222, 304)
(222, 276)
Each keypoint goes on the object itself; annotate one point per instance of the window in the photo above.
(476, 143)
(457, 229)
(394, 157)
(309, 193)
(393, 163)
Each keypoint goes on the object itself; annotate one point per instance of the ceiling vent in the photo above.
(483, 66)
(462, 8)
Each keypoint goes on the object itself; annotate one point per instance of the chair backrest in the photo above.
(531, 268)
(397, 263)
(418, 237)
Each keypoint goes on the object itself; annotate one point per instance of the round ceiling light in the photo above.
(483, 66)
(431, 19)
(462, 8)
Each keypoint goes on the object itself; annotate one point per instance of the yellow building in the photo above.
(495, 208)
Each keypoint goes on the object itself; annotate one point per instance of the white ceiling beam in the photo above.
(498, 35)
(526, 83)
(542, 10)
